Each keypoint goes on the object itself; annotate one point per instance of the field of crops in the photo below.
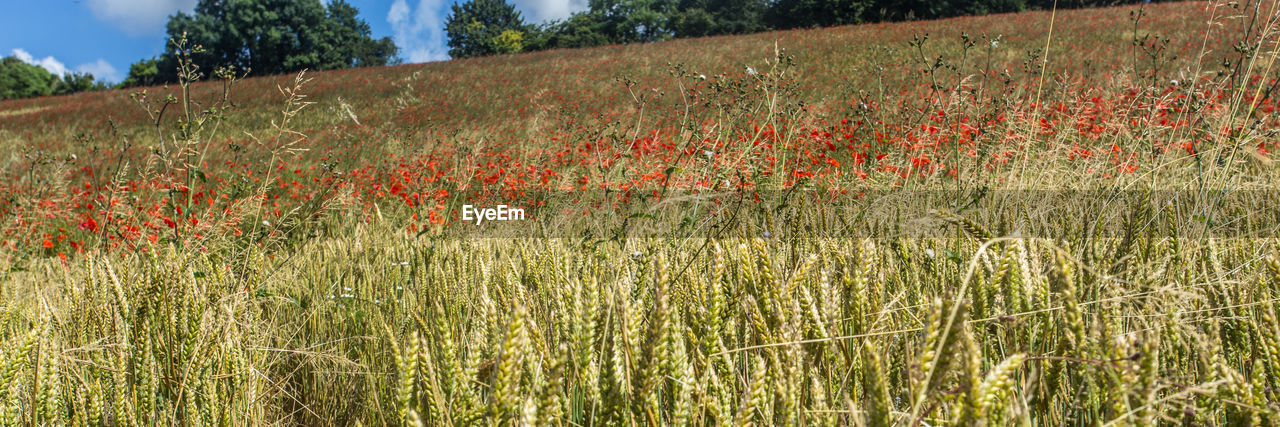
(1042, 218)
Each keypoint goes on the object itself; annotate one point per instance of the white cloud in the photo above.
(419, 32)
(48, 63)
(549, 10)
(139, 17)
(102, 71)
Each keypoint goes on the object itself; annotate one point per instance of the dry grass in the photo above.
(375, 328)
(20, 111)
(1035, 290)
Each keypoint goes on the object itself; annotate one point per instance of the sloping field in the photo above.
(861, 101)
(1042, 218)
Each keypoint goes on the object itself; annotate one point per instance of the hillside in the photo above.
(543, 120)
(832, 64)
(922, 223)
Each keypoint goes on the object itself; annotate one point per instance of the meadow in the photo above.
(1042, 218)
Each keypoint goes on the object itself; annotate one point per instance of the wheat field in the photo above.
(947, 240)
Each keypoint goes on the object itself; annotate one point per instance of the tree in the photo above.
(697, 18)
(632, 21)
(274, 36)
(145, 72)
(817, 13)
(582, 29)
(477, 27)
(510, 41)
(351, 41)
(19, 79)
(75, 82)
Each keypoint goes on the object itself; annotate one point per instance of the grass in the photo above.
(892, 233)
(373, 328)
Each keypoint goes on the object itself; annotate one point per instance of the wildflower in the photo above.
(702, 76)
(48, 243)
(995, 44)
(751, 71)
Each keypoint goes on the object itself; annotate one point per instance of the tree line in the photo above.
(19, 79)
(244, 37)
(261, 37)
(264, 37)
(491, 27)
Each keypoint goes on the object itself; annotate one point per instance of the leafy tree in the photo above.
(145, 72)
(818, 13)
(19, 79)
(632, 21)
(697, 18)
(629, 21)
(76, 82)
(275, 36)
(484, 27)
(582, 29)
(694, 22)
(510, 41)
(998, 6)
(352, 42)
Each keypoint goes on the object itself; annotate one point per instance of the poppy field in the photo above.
(1039, 218)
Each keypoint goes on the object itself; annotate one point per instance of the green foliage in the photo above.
(510, 41)
(697, 18)
(469, 331)
(351, 43)
(484, 27)
(632, 21)
(145, 72)
(19, 79)
(76, 82)
(275, 36)
(354, 321)
(817, 13)
(584, 29)
(883, 10)
(22, 80)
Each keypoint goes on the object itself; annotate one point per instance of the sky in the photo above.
(102, 37)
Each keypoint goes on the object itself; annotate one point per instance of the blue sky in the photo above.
(103, 37)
